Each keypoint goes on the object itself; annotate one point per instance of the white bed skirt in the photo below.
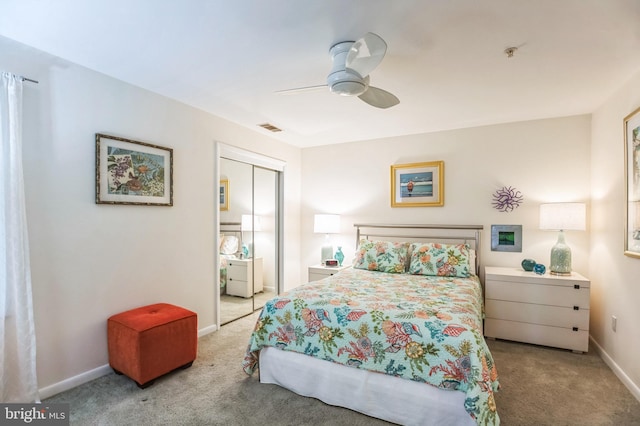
(378, 395)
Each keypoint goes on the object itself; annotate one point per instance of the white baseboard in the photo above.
(207, 330)
(74, 381)
(87, 376)
(620, 374)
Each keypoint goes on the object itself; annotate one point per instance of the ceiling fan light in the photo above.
(348, 88)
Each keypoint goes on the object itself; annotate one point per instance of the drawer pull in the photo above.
(575, 328)
(576, 286)
(576, 308)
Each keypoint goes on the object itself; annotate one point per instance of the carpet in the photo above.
(540, 386)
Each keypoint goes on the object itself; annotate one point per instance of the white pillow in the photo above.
(472, 261)
(229, 245)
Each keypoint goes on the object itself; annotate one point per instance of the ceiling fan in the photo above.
(349, 76)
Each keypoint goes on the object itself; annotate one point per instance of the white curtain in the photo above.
(17, 334)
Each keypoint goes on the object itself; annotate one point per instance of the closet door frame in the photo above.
(230, 152)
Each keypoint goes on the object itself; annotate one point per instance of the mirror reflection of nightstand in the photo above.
(318, 272)
(242, 274)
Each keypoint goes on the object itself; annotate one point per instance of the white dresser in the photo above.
(319, 272)
(242, 274)
(547, 310)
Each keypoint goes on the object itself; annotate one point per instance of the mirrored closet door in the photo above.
(248, 240)
(265, 237)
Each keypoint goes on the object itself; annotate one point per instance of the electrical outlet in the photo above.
(614, 322)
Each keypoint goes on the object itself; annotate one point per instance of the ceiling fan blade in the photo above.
(366, 54)
(302, 89)
(379, 98)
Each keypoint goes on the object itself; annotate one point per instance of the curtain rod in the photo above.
(29, 79)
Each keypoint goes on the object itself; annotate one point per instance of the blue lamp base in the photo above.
(560, 257)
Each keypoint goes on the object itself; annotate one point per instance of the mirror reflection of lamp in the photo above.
(249, 223)
(326, 224)
(562, 217)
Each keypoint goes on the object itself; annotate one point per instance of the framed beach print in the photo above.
(417, 184)
(133, 172)
(632, 175)
(224, 194)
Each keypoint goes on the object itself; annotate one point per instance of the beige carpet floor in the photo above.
(234, 307)
(540, 386)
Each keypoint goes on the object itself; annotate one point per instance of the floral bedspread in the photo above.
(422, 328)
(223, 272)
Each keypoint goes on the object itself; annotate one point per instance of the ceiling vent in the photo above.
(270, 127)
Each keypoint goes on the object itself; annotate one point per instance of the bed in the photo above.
(398, 336)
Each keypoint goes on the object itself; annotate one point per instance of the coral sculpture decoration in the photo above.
(507, 199)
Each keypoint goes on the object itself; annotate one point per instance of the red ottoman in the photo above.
(150, 341)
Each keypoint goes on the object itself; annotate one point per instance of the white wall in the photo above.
(91, 261)
(615, 277)
(547, 160)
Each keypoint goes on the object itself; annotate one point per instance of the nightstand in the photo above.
(242, 274)
(547, 310)
(318, 272)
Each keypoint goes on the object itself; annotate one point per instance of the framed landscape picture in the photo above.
(632, 175)
(417, 184)
(506, 238)
(133, 172)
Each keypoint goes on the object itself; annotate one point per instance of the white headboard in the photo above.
(232, 228)
(451, 234)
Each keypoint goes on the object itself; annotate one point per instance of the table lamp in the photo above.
(249, 223)
(326, 224)
(562, 217)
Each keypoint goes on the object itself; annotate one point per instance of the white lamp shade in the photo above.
(326, 224)
(563, 216)
(250, 223)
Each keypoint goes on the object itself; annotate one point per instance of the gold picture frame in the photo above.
(417, 184)
(632, 184)
(224, 194)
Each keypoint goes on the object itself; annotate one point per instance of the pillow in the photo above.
(472, 261)
(383, 256)
(443, 260)
(229, 244)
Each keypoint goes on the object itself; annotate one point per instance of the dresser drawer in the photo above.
(316, 277)
(319, 272)
(238, 288)
(237, 271)
(558, 316)
(539, 294)
(520, 276)
(538, 334)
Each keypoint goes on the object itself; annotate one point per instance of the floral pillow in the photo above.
(443, 260)
(383, 256)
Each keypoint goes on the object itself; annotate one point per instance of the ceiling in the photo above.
(445, 61)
